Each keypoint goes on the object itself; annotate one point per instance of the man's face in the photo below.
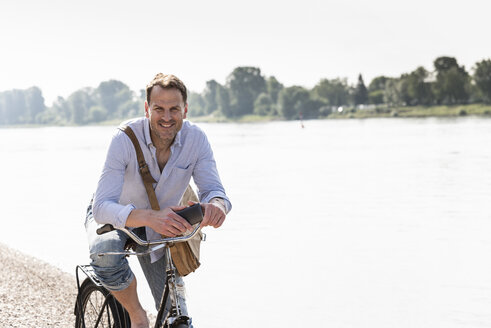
(166, 112)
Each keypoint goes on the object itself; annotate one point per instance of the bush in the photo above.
(97, 114)
(325, 111)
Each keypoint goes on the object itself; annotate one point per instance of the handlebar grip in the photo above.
(193, 214)
(105, 228)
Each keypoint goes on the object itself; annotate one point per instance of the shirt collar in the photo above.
(177, 139)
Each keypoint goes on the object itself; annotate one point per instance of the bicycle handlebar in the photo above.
(192, 214)
(108, 227)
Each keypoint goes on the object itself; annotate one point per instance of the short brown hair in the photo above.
(167, 81)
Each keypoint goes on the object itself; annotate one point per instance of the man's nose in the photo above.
(166, 115)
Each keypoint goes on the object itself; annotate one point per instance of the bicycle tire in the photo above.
(92, 299)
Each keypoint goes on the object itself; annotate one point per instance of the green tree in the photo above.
(403, 87)
(482, 79)
(112, 95)
(6, 108)
(264, 105)
(60, 111)
(452, 81)
(57, 114)
(360, 95)
(335, 92)
(97, 114)
(292, 101)
(325, 111)
(223, 101)
(418, 89)
(196, 104)
(34, 103)
(376, 90)
(444, 63)
(216, 98)
(3, 109)
(79, 104)
(311, 108)
(273, 87)
(396, 91)
(392, 92)
(210, 96)
(15, 107)
(245, 84)
(131, 108)
(378, 83)
(142, 95)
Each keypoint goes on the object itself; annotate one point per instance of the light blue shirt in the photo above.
(121, 189)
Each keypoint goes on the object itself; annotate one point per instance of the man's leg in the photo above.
(156, 277)
(129, 299)
(114, 272)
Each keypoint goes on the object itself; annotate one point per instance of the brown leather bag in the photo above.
(185, 255)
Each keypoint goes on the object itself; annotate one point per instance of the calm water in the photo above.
(353, 223)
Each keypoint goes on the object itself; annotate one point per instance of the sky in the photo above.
(62, 46)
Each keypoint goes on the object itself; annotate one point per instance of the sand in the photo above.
(34, 293)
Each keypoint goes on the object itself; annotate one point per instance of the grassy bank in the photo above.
(242, 119)
(417, 111)
(382, 111)
(378, 112)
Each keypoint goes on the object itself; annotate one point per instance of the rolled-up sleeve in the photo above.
(206, 176)
(106, 207)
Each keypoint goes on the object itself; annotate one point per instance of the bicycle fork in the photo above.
(175, 315)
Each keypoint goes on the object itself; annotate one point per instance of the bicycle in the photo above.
(96, 307)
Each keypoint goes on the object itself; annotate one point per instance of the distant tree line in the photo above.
(110, 100)
(248, 92)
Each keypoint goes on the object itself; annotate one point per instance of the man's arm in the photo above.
(106, 200)
(211, 192)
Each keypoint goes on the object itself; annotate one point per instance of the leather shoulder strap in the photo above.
(147, 178)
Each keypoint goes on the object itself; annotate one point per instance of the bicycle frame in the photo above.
(170, 289)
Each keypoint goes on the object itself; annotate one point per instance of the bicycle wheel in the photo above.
(178, 325)
(96, 311)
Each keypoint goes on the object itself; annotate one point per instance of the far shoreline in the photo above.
(454, 111)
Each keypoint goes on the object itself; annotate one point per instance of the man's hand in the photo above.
(171, 224)
(214, 214)
(166, 221)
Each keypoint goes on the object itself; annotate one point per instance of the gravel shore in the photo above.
(34, 293)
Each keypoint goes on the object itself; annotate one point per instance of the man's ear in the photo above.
(185, 111)
(146, 109)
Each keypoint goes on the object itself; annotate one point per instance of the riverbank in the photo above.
(416, 111)
(367, 112)
(382, 111)
(34, 293)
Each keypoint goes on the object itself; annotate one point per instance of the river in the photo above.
(344, 223)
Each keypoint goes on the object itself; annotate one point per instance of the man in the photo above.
(175, 150)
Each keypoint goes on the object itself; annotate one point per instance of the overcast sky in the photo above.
(62, 46)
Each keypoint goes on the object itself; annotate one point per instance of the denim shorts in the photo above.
(114, 271)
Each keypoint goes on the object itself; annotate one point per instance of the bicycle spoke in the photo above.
(99, 309)
(92, 311)
(108, 314)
